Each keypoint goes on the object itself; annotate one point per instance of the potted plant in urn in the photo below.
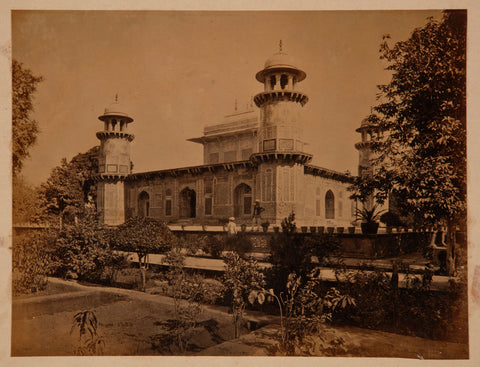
(369, 219)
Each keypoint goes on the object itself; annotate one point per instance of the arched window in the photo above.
(273, 81)
(283, 81)
(329, 205)
(143, 204)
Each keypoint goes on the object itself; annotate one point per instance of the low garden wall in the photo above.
(350, 245)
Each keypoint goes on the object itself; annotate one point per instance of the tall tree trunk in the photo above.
(142, 269)
(451, 248)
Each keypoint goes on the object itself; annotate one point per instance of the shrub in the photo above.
(81, 251)
(213, 246)
(415, 310)
(240, 278)
(303, 313)
(239, 243)
(292, 253)
(30, 262)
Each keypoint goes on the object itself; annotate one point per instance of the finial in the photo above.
(116, 98)
(235, 105)
(280, 45)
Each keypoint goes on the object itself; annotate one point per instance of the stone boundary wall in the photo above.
(351, 245)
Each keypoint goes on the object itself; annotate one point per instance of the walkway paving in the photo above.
(439, 282)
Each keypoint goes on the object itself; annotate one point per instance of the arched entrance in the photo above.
(188, 203)
(143, 204)
(242, 200)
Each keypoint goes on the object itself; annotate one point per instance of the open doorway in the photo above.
(188, 203)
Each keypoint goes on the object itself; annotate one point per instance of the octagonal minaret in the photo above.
(281, 127)
(281, 152)
(370, 133)
(114, 164)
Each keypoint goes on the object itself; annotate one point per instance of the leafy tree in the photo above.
(240, 278)
(31, 262)
(24, 128)
(25, 201)
(82, 250)
(422, 114)
(144, 236)
(70, 187)
(188, 292)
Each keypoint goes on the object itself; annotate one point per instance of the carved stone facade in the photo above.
(253, 155)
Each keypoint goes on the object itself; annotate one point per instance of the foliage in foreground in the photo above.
(81, 251)
(189, 293)
(291, 252)
(303, 312)
(30, 263)
(240, 278)
(414, 310)
(89, 341)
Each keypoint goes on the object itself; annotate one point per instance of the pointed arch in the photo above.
(143, 204)
(242, 200)
(188, 203)
(329, 205)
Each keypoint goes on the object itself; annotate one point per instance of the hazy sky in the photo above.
(175, 72)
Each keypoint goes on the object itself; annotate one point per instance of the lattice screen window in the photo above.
(267, 190)
(318, 202)
(230, 156)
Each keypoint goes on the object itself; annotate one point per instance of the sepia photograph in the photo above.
(239, 183)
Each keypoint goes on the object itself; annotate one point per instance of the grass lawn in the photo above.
(130, 322)
(135, 323)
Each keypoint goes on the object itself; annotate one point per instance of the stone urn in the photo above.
(370, 227)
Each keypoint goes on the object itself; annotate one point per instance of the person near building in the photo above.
(231, 227)
(257, 216)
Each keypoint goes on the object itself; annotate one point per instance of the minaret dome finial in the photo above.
(280, 45)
